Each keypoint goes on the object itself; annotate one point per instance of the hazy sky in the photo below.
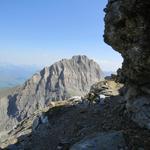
(41, 32)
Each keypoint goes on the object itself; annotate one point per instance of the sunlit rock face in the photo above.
(127, 30)
(60, 81)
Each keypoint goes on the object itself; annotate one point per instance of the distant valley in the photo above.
(13, 75)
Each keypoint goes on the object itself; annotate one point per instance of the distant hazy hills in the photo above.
(12, 75)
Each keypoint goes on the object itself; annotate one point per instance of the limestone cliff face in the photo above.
(127, 30)
(60, 81)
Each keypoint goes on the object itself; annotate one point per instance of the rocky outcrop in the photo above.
(102, 90)
(106, 87)
(60, 81)
(127, 30)
(102, 141)
(78, 123)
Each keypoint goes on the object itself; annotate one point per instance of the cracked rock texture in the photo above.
(127, 30)
(114, 140)
(62, 80)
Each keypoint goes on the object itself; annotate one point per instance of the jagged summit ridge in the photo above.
(68, 77)
(60, 81)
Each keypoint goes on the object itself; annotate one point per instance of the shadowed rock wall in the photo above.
(60, 81)
(127, 30)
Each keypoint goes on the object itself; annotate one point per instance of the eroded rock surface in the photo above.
(102, 90)
(127, 30)
(62, 80)
(106, 87)
(73, 123)
(102, 141)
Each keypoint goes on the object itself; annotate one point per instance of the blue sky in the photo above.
(41, 32)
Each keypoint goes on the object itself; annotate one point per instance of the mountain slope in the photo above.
(60, 81)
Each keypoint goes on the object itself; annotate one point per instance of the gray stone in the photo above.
(127, 30)
(101, 141)
(140, 110)
(60, 81)
(103, 89)
(44, 119)
(36, 123)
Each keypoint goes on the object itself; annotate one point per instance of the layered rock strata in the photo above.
(60, 81)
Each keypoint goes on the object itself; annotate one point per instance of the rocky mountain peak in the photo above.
(60, 81)
(80, 58)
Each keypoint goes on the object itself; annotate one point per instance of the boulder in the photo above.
(103, 89)
(140, 111)
(102, 141)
